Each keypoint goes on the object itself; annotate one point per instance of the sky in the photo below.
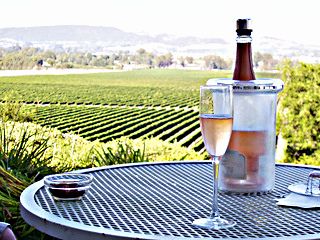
(296, 20)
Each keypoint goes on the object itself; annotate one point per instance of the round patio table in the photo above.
(161, 200)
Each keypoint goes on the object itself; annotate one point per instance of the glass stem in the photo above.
(215, 210)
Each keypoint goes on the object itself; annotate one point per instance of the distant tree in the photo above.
(88, 58)
(181, 60)
(99, 62)
(169, 58)
(48, 54)
(50, 61)
(257, 57)
(189, 59)
(125, 57)
(120, 57)
(63, 57)
(268, 62)
(164, 60)
(141, 51)
(215, 62)
(40, 63)
(144, 57)
(264, 61)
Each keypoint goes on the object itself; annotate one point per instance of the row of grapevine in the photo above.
(56, 113)
(144, 126)
(117, 127)
(107, 123)
(84, 117)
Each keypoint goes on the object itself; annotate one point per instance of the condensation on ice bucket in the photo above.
(249, 163)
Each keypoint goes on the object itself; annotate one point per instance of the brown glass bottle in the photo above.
(244, 68)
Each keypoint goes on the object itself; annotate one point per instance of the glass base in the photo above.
(213, 223)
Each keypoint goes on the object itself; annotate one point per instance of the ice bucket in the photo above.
(249, 163)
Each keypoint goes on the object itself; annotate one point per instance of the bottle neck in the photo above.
(244, 65)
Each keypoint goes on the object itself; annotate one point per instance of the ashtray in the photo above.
(68, 186)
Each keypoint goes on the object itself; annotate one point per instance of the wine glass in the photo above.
(216, 119)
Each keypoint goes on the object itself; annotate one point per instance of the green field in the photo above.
(158, 103)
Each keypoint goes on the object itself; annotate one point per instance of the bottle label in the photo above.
(234, 165)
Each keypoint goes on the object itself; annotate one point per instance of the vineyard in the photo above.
(139, 104)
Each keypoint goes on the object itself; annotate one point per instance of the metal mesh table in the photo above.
(160, 201)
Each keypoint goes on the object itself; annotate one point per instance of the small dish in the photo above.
(68, 186)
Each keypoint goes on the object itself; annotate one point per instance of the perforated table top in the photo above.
(161, 200)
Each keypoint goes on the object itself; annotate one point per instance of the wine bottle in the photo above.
(246, 152)
(244, 68)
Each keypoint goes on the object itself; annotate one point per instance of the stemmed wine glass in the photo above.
(216, 119)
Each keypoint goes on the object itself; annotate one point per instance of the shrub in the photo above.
(299, 113)
(22, 162)
(149, 150)
(123, 154)
(11, 109)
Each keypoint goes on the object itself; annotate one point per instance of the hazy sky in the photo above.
(285, 19)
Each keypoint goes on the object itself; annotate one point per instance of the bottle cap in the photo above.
(244, 26)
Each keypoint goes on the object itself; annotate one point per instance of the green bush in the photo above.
(154, 149)
(11, 109)
(68, 152)
(299, 113)
(123, 154)
(22, 162)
